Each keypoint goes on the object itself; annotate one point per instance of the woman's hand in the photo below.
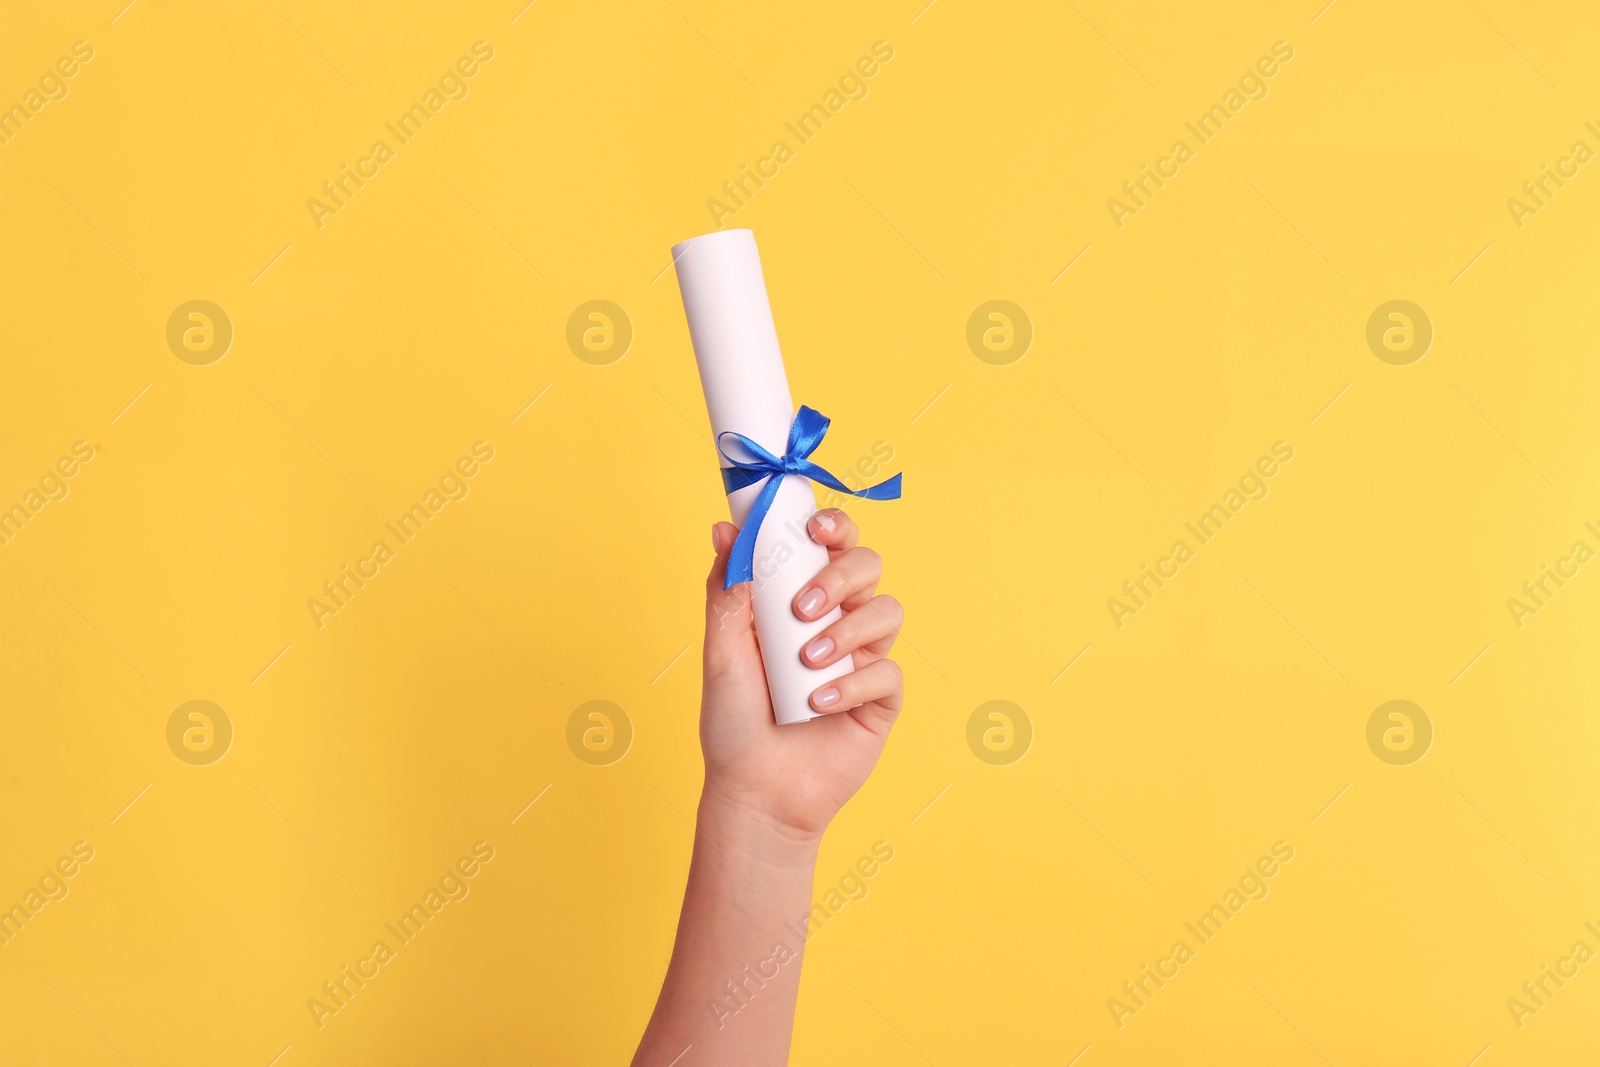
(770, 792)
(796, 777)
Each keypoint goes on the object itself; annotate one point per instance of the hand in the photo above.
(797, 777)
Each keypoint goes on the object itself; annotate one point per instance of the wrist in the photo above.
(743, 830)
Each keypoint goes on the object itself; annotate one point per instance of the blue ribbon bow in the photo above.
(809, 428)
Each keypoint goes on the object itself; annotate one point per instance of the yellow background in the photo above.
(370, 353)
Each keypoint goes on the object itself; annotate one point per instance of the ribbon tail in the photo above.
(885, 490)
(741, 561)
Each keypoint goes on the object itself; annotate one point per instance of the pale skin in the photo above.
(770, 792)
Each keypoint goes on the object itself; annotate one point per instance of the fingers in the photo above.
(849, 579)
(835, 529)
(871, 628)
(879, 683)
(720, 602)
(729, 621)
(722, 538)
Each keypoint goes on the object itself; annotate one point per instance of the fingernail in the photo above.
(826, 522)
(716, 542)
(818, 650)
(812, 601)
(824, 697)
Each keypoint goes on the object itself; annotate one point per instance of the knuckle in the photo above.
(892, 608)
(867, 557)
(895, 672)
(834, 583)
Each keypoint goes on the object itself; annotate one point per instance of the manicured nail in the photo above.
(822, 698)
(716, 542)
(818, 650)
(825, 522)
(811, 602)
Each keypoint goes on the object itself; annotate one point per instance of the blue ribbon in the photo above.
(809, 428)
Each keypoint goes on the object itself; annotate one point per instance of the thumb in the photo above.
(730, 623)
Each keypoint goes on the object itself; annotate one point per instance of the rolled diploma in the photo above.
(747, 392)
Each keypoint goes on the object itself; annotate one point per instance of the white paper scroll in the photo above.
(741, 371)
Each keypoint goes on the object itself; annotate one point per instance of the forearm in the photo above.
(729, 993)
